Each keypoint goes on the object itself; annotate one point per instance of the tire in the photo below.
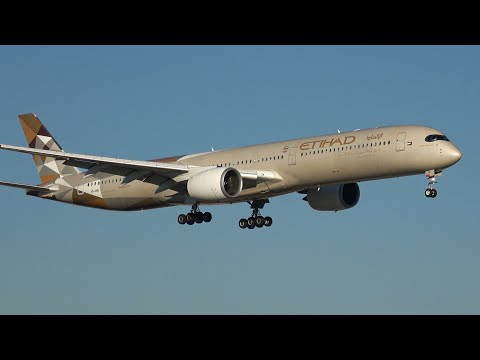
(207, 217)
(242, 223)
(434, 193)
(182, 219)
(259, 221)
(251, 226)
(199, 217)
(251, 222)
(190, 219)
(428, 193)
(268, 221)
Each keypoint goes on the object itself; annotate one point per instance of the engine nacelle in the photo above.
(215, 184)
(334, 197)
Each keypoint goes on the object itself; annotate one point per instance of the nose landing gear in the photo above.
(430, 191)
(195, 216)
(256, 220)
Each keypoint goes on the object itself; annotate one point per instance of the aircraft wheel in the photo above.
(259, 221)
(428, 193)
(434, 193)
(190, 219)
(268, 221)
(198, 217)
(207, 217)
(182, 219)
(242, 223)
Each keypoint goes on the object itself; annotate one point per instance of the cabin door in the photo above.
(401, 141)
(292, 156)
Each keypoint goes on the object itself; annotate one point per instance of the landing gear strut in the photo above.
(256, 220)
(194, 216)
(430, 191)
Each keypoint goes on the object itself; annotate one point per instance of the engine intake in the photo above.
(334, 197)
(215, 184)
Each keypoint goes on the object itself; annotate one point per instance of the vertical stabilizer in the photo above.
(38, 137)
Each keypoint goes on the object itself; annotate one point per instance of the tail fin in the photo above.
(38, 137)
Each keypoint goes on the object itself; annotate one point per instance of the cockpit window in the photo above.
(436, 137)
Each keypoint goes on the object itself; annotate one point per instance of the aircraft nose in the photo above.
(455, 155)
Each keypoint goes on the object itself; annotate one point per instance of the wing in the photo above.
(88, 161)
(139, 169)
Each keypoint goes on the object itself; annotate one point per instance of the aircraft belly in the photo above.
(133, 196)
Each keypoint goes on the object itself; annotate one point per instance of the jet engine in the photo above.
(215, 184)
(334, 197)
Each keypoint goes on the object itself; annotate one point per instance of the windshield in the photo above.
(435, 137)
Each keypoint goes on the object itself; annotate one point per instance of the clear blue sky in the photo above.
(395, 252)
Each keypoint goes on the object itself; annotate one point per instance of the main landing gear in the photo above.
(430, 191)
(195, 216)
(256, 220)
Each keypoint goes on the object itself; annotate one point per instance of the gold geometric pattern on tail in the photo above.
(38, 137)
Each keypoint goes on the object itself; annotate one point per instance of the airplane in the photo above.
(326, 169)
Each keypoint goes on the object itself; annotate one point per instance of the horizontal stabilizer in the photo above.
(25, 186)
